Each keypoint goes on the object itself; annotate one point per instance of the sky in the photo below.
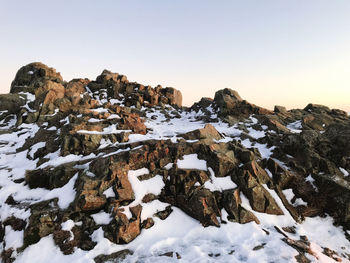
(272, 52)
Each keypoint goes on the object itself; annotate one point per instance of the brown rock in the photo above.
(27, 75)
(208, 132)
(174, 96)
(232, 203)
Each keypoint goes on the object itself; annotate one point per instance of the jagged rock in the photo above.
(124, 231)
(231, 104)
(231, 201)
(11, 103)
(201, 205)
(45, 217)
(148, 223)
(93, 121)
(27, 75)
(208, 132)
(114, 257)
(174, 96)
(50, 177)
(132, 122)
(16, 223)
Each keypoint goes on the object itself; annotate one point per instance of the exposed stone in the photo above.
(114, 257)
(208, 132)
(30, 73)
(11, 103)
(232, 203)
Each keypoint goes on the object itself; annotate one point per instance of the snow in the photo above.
(68, 225)
(295, 127)
(109, 192)
(153, 185)
(191, 161)
(13, 238)
(99, 110)
(219, 183)
(255, 134)
(102, 218)
(108, 130)
(168, 166)
(290, 195)
(265, 152)
(36, 147)
(345, 172)
(178, 233)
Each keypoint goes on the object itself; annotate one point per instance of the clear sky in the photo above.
(272, 52)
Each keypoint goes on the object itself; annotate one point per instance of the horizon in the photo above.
(288, 54)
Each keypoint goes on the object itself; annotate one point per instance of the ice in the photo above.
(191, 161)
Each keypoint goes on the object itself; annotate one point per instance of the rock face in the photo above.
(109, 159)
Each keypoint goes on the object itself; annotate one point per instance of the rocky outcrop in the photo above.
(113, 147)
(30, 77)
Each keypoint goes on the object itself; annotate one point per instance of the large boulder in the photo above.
(11, 103)
(174, 96)
(232, 108)
(27, 75)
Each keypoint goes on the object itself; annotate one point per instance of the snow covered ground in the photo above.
(180, 234)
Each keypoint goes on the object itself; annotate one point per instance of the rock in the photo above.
(133, 122)
(51, 91)
(208, 132)
(128, 230)
(231, 201)
(148, 223)
(11, 103)
(165, 213)
(226, 98)
(42, 222)
(16, 223)
(202, 206)
(174, 96)
(232, 107)
(50, 177)
(280, 109)
(280, 176)
(273, 122)
(27, 75)
(62, 239)
(114, 257)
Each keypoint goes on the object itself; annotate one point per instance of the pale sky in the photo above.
(280, 52)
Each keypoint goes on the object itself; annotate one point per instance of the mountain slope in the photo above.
(103, 170)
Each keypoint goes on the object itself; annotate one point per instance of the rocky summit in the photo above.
(109, 170)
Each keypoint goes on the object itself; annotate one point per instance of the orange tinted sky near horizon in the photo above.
(288, 53)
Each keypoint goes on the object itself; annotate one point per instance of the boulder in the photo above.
(231, 201)
(174, 96)
(208, 132)
(27, 75)
(12, 103)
